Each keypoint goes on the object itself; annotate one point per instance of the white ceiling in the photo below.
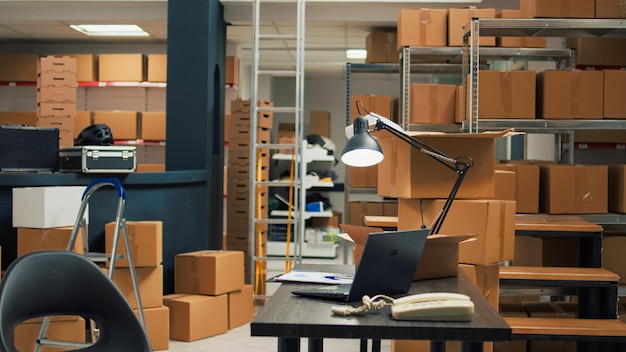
(331, 26)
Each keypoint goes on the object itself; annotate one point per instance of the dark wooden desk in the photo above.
(290, 318)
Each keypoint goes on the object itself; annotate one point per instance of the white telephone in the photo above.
(440, 306)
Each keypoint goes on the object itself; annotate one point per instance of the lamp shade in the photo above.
(362, 149)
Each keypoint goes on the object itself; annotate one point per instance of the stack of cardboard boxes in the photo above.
(56, 96)
(239, 176)
(210, 295)
(146, 241)
(421, 185)
(44, 218)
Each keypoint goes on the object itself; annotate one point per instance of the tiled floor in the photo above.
(239, 340)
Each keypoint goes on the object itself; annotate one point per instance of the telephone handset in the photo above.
(440, 306)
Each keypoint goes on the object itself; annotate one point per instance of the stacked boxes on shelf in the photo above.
(239, 177)
(44, 218)
(210, 295)
(421, 185)
(146, 241)
(56, 96)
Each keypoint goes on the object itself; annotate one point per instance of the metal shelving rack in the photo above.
(472, 52)
(548, 28)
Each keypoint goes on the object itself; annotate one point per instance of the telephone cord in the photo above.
(376, 302)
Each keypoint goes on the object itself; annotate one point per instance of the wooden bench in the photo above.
(590, 335)
(590, 236)
(596, 288)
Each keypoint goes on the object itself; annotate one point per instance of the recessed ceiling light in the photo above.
(356, 54)
(110, 30)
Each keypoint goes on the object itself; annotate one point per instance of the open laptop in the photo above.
(386, 266)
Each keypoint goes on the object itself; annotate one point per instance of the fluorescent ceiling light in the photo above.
(110, 30)
(356, 54)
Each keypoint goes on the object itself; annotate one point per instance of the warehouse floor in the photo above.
(239, 339)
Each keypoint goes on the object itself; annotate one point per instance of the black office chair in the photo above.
(66, 283)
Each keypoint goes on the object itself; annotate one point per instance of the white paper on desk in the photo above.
(318, 277)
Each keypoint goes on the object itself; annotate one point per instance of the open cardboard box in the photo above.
(440, 257)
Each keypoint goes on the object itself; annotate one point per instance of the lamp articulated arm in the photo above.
(458, 165)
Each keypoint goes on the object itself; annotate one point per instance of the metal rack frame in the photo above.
(472, 52)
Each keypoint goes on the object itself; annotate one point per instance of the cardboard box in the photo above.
(46, 207)
(240, 306)
(570, 94)
(617, 188)
(358, 209)
(528, 251)
(26, 334)
(149, 280)
(28, 118)
(151, 168)
(506, 182)
(432, 103)
(194, 317)
(157, 327)
(491, 221)
(507, 94)
(378, 104)
(573, 189)
(123, 124)
(518, 42)
(460, 17)
(405, 172)
(146, 241)
(157, 67)
(613, 247)
(614, 87)
(319, 123)
(82, 120)
(439, 257)
(153, 125)
(86, 68)
(18, 67)
(486, 278)
(55, 109)
(122, 67)
(364, 177)
(598, 51)
(57, 79)
(422, 27)
(232, 70)
(558, 8)
(381, 47)
(58, 238)
(56, 64)
(526, 186)
(56, 94)
(209, 272)
(610, 9)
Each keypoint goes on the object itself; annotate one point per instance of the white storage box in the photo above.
(46, 207)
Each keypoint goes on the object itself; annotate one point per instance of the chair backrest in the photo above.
(66, 283)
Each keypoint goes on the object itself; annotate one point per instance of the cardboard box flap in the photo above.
(359, 234)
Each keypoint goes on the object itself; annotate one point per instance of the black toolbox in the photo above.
(27, 148)
(98, 159)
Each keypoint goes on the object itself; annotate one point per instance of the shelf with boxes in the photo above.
(124, 91)
(566, 100)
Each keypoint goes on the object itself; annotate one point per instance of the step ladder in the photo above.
(120, 230)
(263, 44)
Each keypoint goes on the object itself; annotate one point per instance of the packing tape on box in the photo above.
(423, 25)
(575, 93)
(432, 101)
(506, 95)
(565, 8)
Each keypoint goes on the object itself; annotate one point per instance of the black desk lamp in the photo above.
(363, 150)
